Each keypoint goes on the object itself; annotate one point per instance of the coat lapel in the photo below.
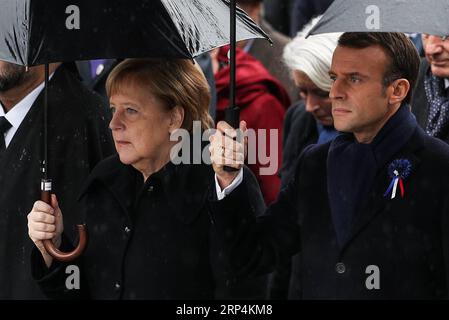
(376, 202)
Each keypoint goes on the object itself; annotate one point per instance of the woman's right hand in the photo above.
(45, 222)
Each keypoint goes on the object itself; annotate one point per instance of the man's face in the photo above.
(11, 75)
(437, 53)
(360, 104)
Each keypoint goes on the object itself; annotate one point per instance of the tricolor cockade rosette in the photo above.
(398, 170)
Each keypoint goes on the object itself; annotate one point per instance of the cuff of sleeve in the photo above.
(39, 269)
(221, 194)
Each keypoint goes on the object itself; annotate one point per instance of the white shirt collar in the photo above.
(17, 114)
(446, 83)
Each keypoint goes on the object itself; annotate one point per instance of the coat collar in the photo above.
(376, 202)
(115, 177)
(351, 187)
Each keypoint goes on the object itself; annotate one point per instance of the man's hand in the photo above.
(225, 151)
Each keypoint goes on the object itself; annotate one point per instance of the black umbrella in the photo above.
(35, 32)
(409, 16)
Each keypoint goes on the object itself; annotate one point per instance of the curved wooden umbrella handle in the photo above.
(48, 244)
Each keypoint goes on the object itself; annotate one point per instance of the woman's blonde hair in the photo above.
(174, 82)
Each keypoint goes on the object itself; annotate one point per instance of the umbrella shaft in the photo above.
(45, 164)
(232, 53)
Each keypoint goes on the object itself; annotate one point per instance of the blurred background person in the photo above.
(205, 63)
(430, 102)
(94, 74)
(269, 55)
(304, 10)
(309, 121)
(417, 41)
(262, 101)
(278, 14)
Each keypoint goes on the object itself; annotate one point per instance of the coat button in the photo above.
(340, 268)
(117, 286)
(127, 230)
(150, 189)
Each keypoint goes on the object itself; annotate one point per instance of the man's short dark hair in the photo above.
(403, 56)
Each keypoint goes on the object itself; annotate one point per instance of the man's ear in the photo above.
(400, 89)
(176, 118)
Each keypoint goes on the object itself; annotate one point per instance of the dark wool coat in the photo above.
(420, 104)
(78, 138)
(407, 238)
(151, 240)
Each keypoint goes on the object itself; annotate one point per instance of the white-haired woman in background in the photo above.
(308, 121)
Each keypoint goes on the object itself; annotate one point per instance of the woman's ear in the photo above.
(401, 88)
(176, 118)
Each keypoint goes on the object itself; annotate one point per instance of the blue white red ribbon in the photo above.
(398, 170)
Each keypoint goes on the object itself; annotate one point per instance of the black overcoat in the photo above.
(406, 238)
(149, 240)
(78, 138)
(420, 104)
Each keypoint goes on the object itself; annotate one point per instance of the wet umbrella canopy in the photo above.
(34, 32)
(409, 16)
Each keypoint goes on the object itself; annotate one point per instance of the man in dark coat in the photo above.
(78, 138)
(370, 210)
(278, 14)
(431, 98)
(94, 74)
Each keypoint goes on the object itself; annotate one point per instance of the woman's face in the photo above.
(316, 100)
(140, 127)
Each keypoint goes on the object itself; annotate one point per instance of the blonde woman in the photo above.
(150, 231)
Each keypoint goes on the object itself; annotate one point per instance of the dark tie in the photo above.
(4, 127)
